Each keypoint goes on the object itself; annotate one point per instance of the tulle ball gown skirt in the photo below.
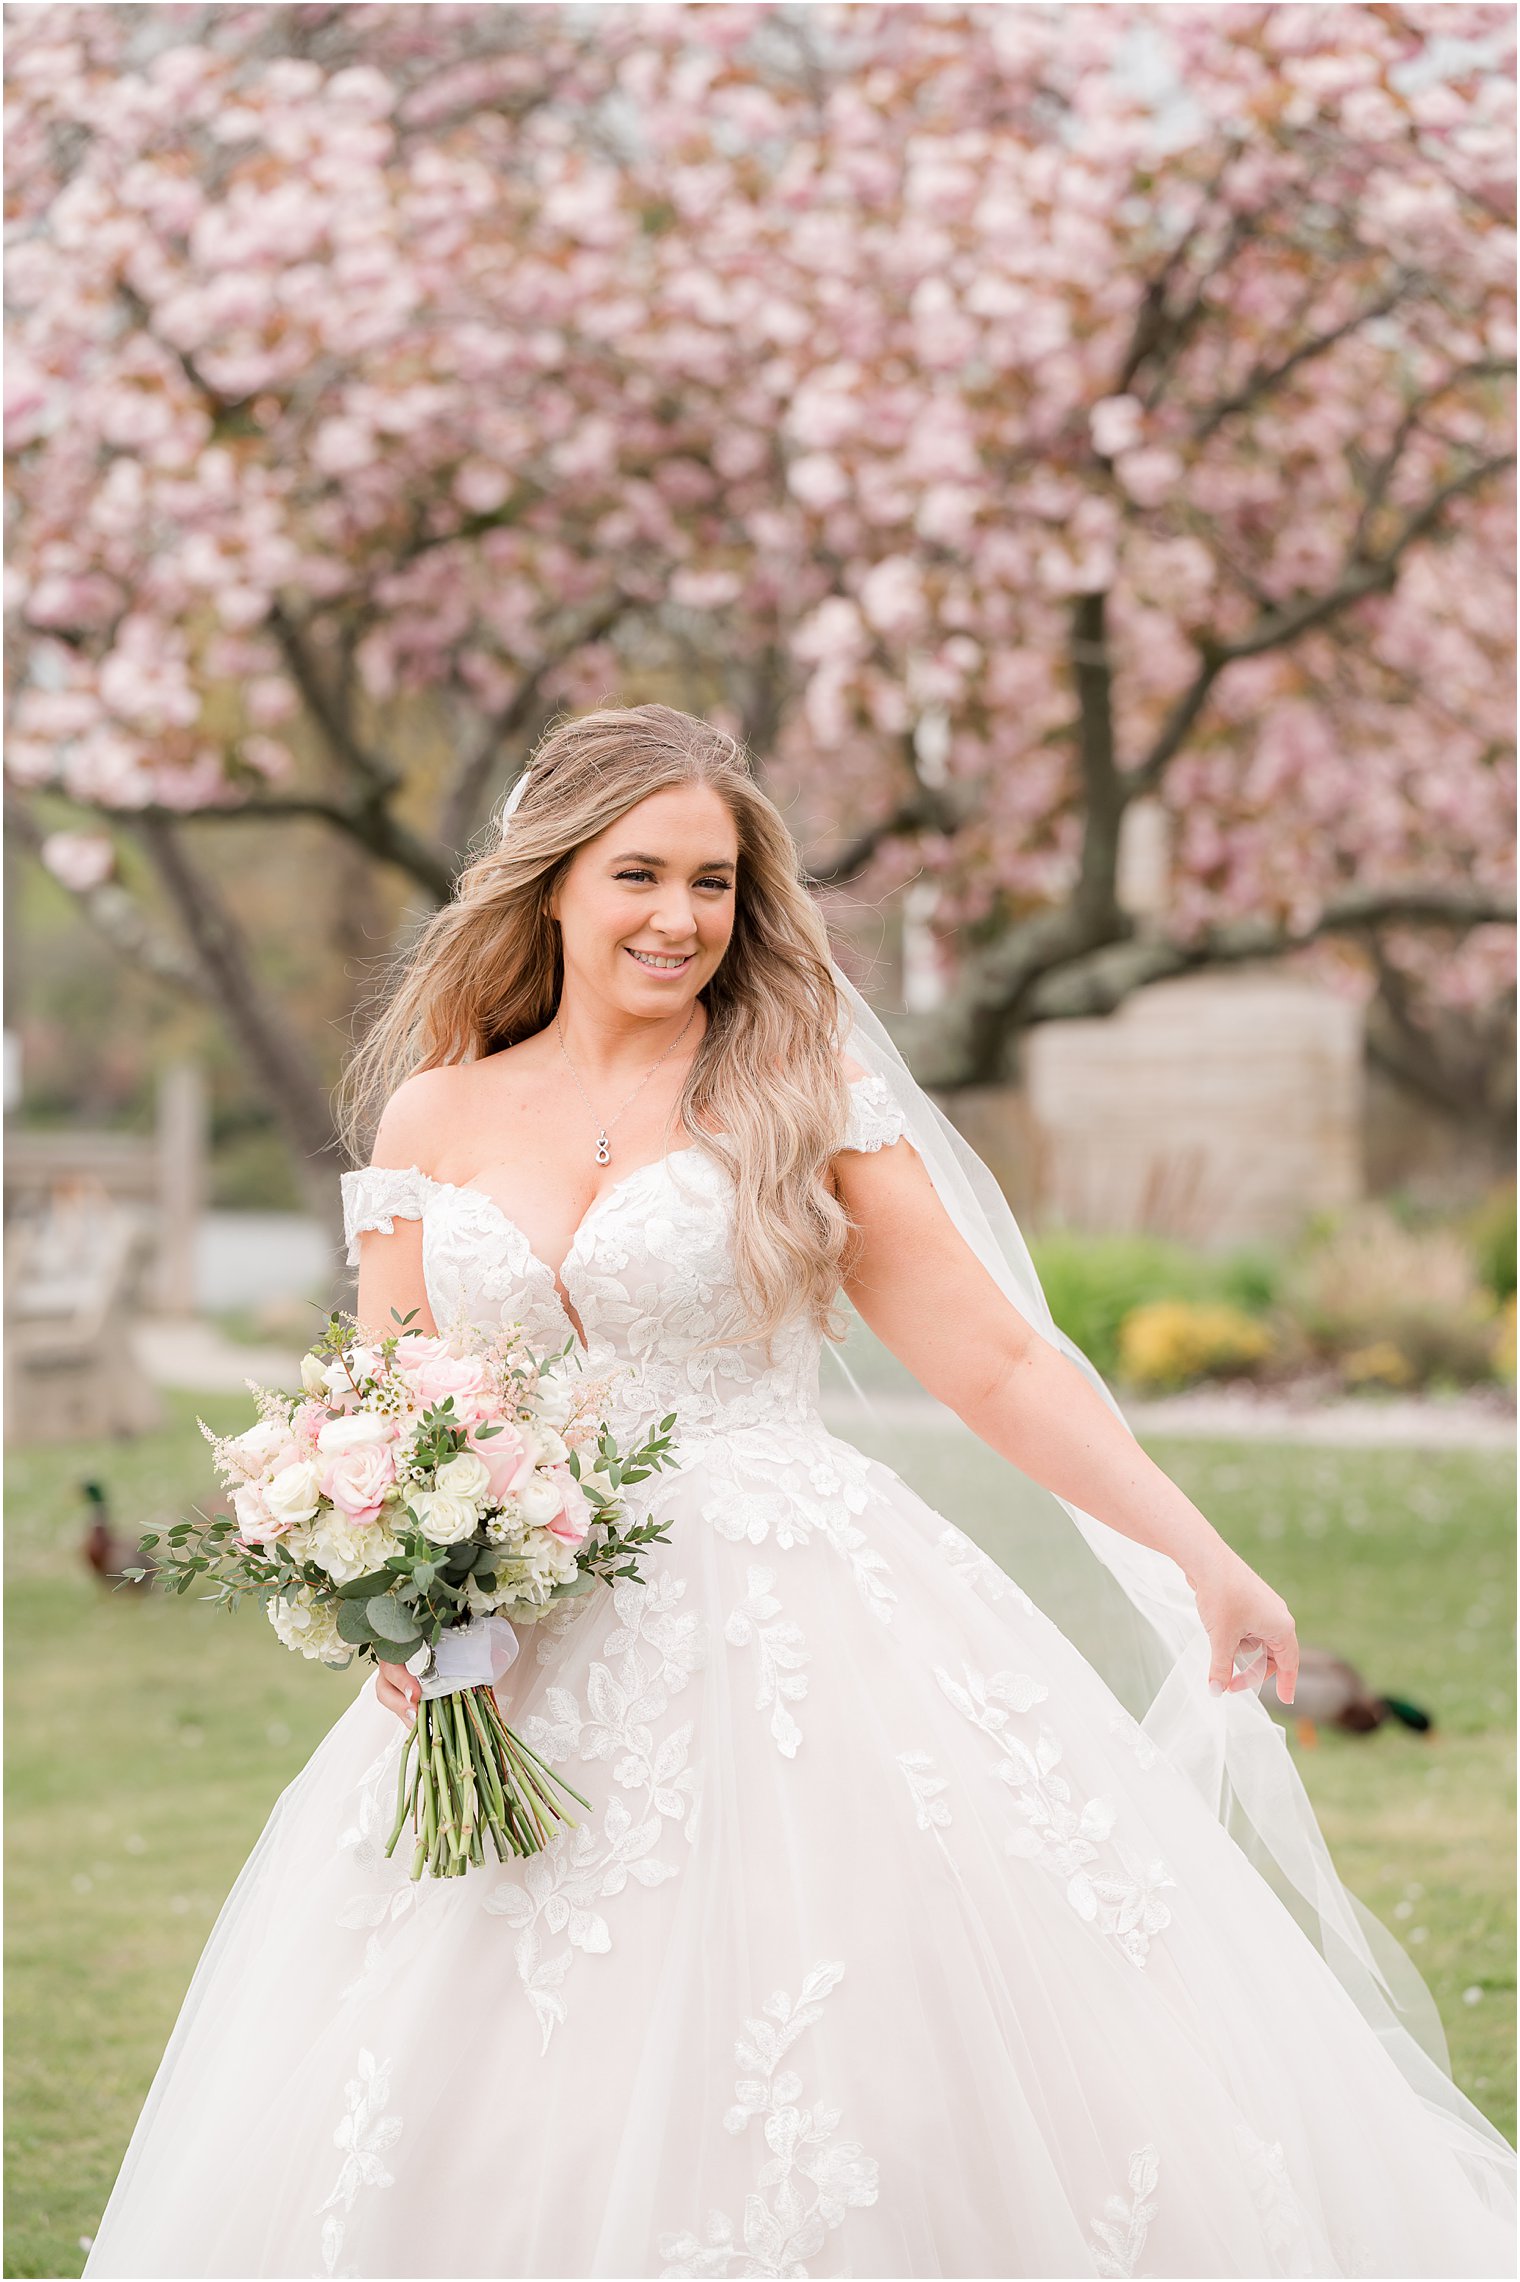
(890, 1946)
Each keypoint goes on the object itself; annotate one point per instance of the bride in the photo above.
(910, 1932)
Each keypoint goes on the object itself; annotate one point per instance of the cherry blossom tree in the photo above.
(1007, 420)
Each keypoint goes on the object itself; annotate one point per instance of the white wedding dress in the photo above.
(891, 1945)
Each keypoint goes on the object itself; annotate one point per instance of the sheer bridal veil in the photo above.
(1132, 1614)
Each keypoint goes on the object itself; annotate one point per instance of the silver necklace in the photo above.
(603, 1144)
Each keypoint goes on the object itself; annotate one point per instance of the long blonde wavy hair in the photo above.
(765, 1095)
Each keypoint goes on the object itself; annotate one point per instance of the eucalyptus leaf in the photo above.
(581, 1582)
(354, 1625)
(362, 1588)
(388, 1620)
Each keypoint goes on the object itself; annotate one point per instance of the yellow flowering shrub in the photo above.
(1504, 1341)
(1171, 1342)
(1382, 1363)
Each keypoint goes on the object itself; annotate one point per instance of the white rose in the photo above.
(359, 1431)
(259, 1442)
(465, 1476)
(313, 1373)
(554, 1402)
(539, 1500)
(293, 1492)
(553, 1450)
(441, 1516)
(339, 1374)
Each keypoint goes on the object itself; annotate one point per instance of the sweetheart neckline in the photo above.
(556, 1277)
(535, 1259)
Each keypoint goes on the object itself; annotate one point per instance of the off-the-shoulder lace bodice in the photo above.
(649, 1274)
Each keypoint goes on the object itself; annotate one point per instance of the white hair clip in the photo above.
(512, 799)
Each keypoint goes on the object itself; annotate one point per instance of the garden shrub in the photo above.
(1490, 1231)
(1371, 1282)
(1169, 1343)
(1094, 1282)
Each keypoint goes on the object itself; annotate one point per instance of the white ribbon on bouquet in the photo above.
(467, 1656)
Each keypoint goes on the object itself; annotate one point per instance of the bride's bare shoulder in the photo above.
(430, 1108)
(414, 1118)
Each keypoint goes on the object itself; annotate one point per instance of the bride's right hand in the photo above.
(399, 1690)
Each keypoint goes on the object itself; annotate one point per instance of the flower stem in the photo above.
(473, 1777)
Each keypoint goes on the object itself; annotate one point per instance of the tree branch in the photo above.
(1053, 968)
(326, 707)
(927, 809)
(1105, 792)
(1100, 983)
(1263, 378)
(278, 1057)
(1279, 626)
(519, 721)
(115, 915)
(372, 825)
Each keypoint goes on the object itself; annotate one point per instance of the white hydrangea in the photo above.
(310, 1626)
(528, 1576)
(483, 1603)
(552, 1557)
(343, 1548)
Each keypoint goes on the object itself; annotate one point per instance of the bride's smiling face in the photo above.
(646, 907)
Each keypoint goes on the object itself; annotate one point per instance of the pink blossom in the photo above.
(81, 860)
(1115, 424)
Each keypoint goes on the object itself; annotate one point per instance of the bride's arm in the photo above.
(390, 1276)
(922, 1290)
(390, 1266)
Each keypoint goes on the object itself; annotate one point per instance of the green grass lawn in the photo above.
(149, 1736)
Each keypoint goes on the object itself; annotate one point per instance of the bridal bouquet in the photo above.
(416, 1493)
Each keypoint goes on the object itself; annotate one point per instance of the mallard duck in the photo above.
(107, 1554)
(1332, 1693)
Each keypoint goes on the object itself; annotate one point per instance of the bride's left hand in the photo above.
(1239, 1609)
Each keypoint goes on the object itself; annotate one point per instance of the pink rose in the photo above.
(574, 1518)
(506, 1455)
(256, 1524)
(465, 1377)
(357, 1480)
